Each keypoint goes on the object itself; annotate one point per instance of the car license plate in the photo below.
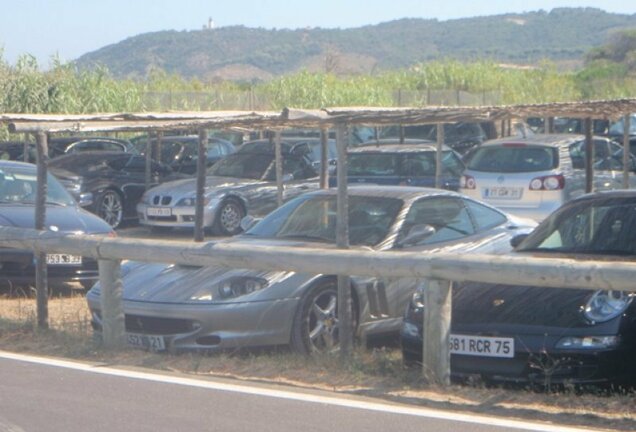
(63, 259)
(159, 211)
(482, 346)
(503, 193)
(149, 342)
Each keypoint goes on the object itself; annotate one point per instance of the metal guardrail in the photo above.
(438, 268)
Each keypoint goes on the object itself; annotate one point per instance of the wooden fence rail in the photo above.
(556, 273)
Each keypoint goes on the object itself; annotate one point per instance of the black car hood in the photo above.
(63, 219)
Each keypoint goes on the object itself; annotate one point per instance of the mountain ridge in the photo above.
(255, 54)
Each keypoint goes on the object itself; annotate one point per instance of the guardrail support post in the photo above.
(41, 269)
(113, 321)
(437, 324)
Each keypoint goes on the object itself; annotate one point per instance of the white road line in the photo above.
(296, 396)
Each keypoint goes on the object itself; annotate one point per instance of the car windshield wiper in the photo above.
(306, 237)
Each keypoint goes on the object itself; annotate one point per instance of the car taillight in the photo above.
(112, 234)
(552, 182)
(467, 182)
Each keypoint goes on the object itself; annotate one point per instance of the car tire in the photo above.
(228, 218)
(315, 325)
(109, 206)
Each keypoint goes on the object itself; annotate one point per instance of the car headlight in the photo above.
(231, 288)
(192, 200)
(606, 305)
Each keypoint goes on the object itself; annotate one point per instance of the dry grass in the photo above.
(374, 372)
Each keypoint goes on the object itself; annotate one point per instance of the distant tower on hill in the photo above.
(210, 25)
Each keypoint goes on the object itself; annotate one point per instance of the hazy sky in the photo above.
(70, 28)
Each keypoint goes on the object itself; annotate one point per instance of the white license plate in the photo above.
(63, 259)
(159, 211)
(503, 193)
(149, 342)
(482, 346)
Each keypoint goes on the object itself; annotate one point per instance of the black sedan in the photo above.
(543, 335)
(182, 151)
(18, 184)
(109, 184)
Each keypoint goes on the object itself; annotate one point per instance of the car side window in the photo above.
(484, 217)
(446, 215)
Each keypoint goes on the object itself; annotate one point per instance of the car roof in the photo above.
(550, 140)
(399, 192)
(606, 194)
(16, 164)
(425, 147)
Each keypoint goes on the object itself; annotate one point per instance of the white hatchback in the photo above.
(533, 176)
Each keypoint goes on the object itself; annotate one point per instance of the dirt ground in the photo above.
(374, 371)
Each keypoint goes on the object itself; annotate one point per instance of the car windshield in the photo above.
(602, 227)
(619, 127)
(313, 218)
(242, 165)
(512, 158)
(19, 186)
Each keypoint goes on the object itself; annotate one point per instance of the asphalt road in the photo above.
(50, 395)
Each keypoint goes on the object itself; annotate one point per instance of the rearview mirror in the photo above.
(248, 222)
(516, 240)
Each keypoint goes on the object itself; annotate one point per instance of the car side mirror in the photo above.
(416, 235)
(248, 222)
(516, 240)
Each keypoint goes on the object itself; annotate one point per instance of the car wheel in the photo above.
(315, 326)
(110, 208)
(228, 218)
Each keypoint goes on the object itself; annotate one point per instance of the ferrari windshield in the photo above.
(601, 227)
(313, 218)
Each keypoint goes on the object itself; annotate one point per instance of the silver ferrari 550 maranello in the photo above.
(176, 308)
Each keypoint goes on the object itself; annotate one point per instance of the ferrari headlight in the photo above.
(606, 305)
(231, 288)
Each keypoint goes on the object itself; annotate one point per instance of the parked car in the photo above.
(18, 188)
(533, 176)
(181, 152)
(108, 184)
(299, 145)
(178, 307)
(240, 184)
(616, 132)
(412, 164)
(14, 150)
(459, 136)
(59, 146)
(548, 335)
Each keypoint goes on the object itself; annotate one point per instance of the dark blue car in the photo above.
(409, 164)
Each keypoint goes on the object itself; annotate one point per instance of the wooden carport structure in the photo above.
(339, 118)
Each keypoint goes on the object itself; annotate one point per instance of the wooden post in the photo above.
(198, 209)
(324, 158)
(148, 171)
(438, 156)
(278, 155)
(25, 151)
(401, 134)
(437, 324)
(627, 161)
(548, 126)
(113, 321)
(589, 156)
(342, 241)
(41, 276)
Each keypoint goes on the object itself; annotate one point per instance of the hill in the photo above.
(563, 35)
